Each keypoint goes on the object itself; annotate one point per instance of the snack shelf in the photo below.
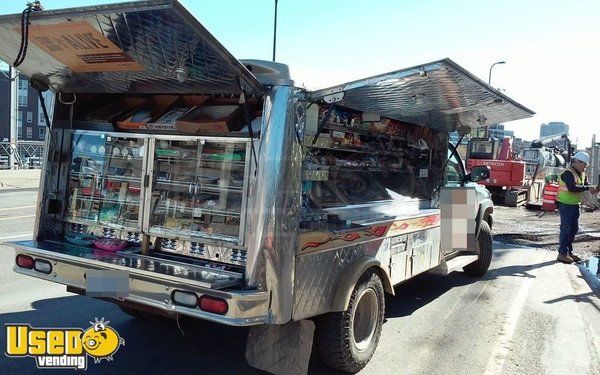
(341, 128)
(349, 169)
(191, 235)
(105, 156)
(358, 150)
(110, 201)
(128, 225)
(202, 187)
(197, 210)
(123, 178)
(81, 176)
(175, 159)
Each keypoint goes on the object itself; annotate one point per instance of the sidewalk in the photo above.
(19, 179)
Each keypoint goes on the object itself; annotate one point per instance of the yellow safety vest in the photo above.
(564, 195)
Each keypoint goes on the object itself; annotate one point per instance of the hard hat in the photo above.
(582, 157)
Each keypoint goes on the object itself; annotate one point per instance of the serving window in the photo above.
(357, 158)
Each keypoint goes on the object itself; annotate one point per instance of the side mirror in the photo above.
(481, 172)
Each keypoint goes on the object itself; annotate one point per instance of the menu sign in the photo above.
(82, 48)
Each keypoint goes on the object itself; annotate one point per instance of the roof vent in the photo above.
(269, 73)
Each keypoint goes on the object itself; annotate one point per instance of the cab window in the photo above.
(454, 171)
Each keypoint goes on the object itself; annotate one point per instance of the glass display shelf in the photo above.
(198, 189)
(105, 180)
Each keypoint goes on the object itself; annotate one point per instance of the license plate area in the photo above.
(107, 283)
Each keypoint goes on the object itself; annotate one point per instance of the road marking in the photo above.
(11, 237)
(16, 217)
(15, 208)
(482, 290)
(502, 347)
(457, 302)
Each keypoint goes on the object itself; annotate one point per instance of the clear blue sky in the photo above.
(552, 47)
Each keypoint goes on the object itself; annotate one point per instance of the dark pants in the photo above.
(569, 225)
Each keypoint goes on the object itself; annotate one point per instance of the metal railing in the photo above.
(27, 154)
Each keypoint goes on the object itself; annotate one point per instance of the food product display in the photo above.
(367, 157)
(105, 180)
(110, 244)
(205, 119)
(80, 239)
(192, 188)
(168, 120)
(198, 188)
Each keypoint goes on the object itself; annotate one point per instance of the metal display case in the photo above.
(105, 180)
(185, 192)
(198, 188)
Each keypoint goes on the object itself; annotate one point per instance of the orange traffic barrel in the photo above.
(549, 197)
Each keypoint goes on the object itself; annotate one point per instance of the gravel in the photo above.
(522, 226)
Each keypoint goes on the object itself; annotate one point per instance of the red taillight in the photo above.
(24, 261)
(213, 305)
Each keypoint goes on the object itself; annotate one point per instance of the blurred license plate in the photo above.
(107, 283)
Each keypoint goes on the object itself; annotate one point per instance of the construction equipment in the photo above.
(515, 181)
(548, 155)
(507, 178)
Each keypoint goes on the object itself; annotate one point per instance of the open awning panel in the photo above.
(153, 46)
(439, 95)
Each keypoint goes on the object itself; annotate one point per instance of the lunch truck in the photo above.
(195, 184)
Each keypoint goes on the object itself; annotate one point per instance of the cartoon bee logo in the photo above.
(101, 341)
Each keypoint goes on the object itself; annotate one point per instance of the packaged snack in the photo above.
(110, 244)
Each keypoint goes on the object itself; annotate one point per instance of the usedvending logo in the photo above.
(63, 347)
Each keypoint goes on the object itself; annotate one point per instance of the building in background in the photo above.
(519, 144)
(498, 131)
(31, 124)
(553, 128)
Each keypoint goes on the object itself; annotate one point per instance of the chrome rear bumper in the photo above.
(151, 280)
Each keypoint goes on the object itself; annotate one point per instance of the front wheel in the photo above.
(485, 243)
(347, 340)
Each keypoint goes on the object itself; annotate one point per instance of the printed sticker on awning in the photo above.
(81, 48)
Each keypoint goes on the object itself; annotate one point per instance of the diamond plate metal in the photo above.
(281, 349)
(440, 95)
(159, 34)
(317, 278)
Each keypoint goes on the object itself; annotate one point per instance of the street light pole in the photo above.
(490, 75)
(485, 130)
(275, 31)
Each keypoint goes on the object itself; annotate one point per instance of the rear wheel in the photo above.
(347, 340)
(485, 243)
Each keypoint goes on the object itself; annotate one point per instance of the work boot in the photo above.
(575, 257)
(565, 258)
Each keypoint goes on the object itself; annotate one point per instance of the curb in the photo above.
(14, 190)
(590, 278)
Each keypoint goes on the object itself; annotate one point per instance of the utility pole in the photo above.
(14, 107)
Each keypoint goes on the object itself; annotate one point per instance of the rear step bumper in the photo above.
(152, 281)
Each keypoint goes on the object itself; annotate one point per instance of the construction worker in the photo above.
(572, 184)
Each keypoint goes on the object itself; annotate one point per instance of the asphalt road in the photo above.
(528, 315)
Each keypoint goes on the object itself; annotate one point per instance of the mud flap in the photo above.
(281, 348)
(459, 207)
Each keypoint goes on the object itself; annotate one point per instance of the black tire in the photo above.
(337, 332)
(486, 246)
